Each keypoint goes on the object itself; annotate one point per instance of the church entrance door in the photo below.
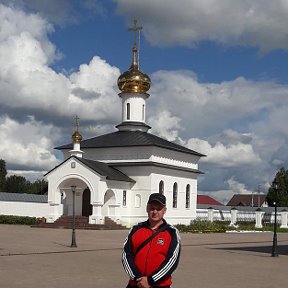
(86, 203)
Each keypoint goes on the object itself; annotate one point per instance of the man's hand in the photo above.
(143, 283)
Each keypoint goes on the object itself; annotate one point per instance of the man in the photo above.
(152, 264)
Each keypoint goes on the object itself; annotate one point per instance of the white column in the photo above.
(210, 214)
(233, 212)
(96, 217)
(284, 215)
(259, 216)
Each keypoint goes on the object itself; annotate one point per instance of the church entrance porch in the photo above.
(64, 198)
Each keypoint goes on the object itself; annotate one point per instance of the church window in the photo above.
(124, 197)
(175, 192)
(128, 111)
(138, 200)
(143, 112)
(188, 196)
(161, 187)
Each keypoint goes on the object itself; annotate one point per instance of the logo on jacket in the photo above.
(160, 241)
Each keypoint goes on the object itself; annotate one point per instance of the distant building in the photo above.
(248, 200)
(207, 200)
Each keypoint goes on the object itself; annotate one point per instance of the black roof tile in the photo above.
(105, 170)
(101, 168)
(130, 139)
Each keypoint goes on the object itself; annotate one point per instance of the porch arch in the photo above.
(82, 194)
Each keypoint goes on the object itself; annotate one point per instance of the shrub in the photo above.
(198, 226)
(19, 220)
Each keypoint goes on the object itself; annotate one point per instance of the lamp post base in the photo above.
(274, 247)
(73, 243)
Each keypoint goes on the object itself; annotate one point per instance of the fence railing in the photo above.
(234, 216)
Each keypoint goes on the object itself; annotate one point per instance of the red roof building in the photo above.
(250, 200)
(207, 200)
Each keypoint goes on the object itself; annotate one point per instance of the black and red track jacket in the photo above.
(157, 259)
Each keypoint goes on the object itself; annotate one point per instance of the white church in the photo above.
(112, 175)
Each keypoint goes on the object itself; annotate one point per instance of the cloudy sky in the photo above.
(218, 67)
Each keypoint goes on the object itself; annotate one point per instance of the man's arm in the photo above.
(128, 259)
(171, 261)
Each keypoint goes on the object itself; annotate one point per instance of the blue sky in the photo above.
(218, 68)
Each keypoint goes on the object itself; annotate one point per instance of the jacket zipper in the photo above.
(148, 254)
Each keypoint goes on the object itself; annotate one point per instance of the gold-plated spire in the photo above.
(134, 80)
(76, 137)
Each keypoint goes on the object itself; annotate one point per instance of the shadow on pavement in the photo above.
(281, 249)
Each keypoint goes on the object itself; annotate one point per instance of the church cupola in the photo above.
(134, 80)
(76, 139)
(134, 85)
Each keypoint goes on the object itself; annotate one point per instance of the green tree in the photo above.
(17, 184)
(3, 173)
(38, 187)
(281, 195)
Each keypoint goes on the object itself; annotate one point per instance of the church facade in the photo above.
(112, 175)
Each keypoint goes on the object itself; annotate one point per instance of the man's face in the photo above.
(156, 211)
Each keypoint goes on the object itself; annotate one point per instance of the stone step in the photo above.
(81, 222)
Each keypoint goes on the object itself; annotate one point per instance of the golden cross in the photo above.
(134, 29)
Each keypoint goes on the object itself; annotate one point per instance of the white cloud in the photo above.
(236, 187)
(225, 156)
(28, 82)
(208, 107)
(165, 125)
(98, 79)
(185, 22)
(59, 12)
(29, 86)
(28, 144)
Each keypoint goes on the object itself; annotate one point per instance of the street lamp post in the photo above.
(73, 242)
(275, 186)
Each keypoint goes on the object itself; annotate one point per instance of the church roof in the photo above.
(101, 168)
(104, 169)
(130, 139)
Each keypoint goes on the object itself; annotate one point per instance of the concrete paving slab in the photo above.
(31, 257)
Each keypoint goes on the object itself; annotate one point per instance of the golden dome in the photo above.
(76, 137)
(133, 80)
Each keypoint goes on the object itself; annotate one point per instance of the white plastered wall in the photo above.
(147, 181)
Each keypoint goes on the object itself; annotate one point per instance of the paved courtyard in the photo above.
(31, 257)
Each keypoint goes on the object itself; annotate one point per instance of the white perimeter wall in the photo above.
(31, 209)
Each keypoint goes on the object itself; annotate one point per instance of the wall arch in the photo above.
(108, 208)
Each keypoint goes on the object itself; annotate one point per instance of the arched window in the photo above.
(124, 198)
(161, 187)
(128, 111)
(138, 200)
(187, 196)
(143, 112)
(175, 192)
